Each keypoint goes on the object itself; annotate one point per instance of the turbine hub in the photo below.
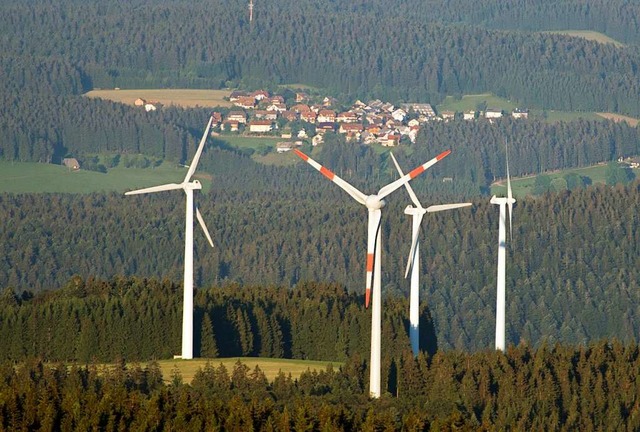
(374, 203)
(193, 185)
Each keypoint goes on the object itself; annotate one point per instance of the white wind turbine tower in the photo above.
(502, 238)
(188, 186)
(374, 204)
(413, 261)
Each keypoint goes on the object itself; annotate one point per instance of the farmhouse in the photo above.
(231, 125)
(346, 128)
(260, 126)
(284, 146)
(492, 113)
(326, 116)
(520, 113)
(246, 102)
(238, 116)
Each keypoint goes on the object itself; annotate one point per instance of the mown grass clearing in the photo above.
(187, 98)
(524, 186)
(473, 102)
(271, 367)
(253, 142)
(589, 35)
(31, 177)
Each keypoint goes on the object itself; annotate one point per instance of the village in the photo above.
(260, 113)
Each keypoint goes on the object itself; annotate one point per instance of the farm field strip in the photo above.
(186, 98)
(270, 366)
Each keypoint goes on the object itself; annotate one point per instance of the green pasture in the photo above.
(472, 102)
(270, 366)
(524, 186)
(255, 143)
(31, 177)
(565, 116)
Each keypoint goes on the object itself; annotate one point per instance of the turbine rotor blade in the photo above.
(373, 231)
(412, 194)
(166, 187)
(203, 226)
(194, 163)
(386, 190)
(441, 207)
(414, 244)
(510, 199)
(355, 193)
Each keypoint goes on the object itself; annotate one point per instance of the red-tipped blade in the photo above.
(373, 231)
(355, 193)
(386, 190)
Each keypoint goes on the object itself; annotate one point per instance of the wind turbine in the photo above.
(374, 204)
(188, 186)
(502, 234)
(413, 262)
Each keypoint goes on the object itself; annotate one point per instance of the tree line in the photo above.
(140, 319)
(554, 387)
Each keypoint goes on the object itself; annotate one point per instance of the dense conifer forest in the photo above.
(286, 277)
(572, 272)
(552, 388)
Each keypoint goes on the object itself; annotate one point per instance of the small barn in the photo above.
(71, 163)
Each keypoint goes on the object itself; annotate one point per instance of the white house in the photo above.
(260, 126)
(399, 114)
(492, 113)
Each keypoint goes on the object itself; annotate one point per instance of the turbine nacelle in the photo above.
(194, 185)
(501, 200)
(373, 202)
(414, 211)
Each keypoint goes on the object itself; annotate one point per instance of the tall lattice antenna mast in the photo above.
(250, 11)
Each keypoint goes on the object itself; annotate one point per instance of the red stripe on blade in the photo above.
(367, 297)
(443, 155)
(328, 174)
(416, 172)
(369, 262)
(302, 155)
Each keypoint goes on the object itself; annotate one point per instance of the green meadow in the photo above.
(31, 177)
(489, 100)
(524, 186)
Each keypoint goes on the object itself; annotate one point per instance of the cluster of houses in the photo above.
(259, 113)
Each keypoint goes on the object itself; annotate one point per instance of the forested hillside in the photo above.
(52, 52)
(572, 267)
(617, 19)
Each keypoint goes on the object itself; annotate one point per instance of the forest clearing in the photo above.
(186, 98)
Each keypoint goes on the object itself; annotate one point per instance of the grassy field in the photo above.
(270, 367)
(471, 102)
(188, 98)
(524, 186)
(29, 177)
(589, 35)
(255, 143)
